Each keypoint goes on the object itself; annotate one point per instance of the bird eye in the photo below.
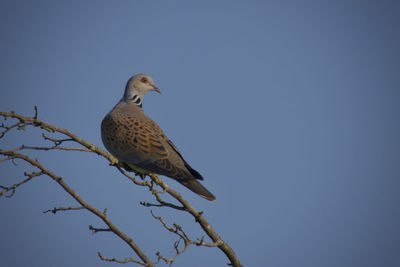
(143, 80)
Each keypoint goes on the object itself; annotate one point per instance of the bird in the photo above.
(140, 144)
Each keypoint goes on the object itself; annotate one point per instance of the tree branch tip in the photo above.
(55, 209)
(36, 112)
(95, 230)
(200, 242)
(126, 260)
(147, 204)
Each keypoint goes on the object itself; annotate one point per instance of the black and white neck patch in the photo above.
(137, 100)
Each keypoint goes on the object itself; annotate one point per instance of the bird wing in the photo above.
(147, 147)
(139, 142)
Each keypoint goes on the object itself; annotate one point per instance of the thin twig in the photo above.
(126, 260)
(55, 209)
(15, 186)
(56, 148)
(96, 230)
(178, 230)
(57, 142)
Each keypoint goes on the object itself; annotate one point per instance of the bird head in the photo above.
(139, 85)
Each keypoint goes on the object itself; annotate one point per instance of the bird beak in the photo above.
(156, 89)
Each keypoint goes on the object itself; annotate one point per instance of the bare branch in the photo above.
(15, 186)
(164, 204)
(150, 184)
(155, 192)
(56, 142)
(201, 220)
(178, 230)
(36, 112)
(126, 260)
(51, 128)
(95, 230)
(98, 213)
(133, 179)
(55, 209)
(56, 148)
(8, 128)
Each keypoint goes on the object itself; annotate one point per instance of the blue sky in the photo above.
(289, 109)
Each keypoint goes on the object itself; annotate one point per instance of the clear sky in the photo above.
(289, 109)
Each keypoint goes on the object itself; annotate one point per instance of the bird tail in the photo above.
(198, 188)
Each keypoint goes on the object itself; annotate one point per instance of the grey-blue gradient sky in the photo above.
(289, 109)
